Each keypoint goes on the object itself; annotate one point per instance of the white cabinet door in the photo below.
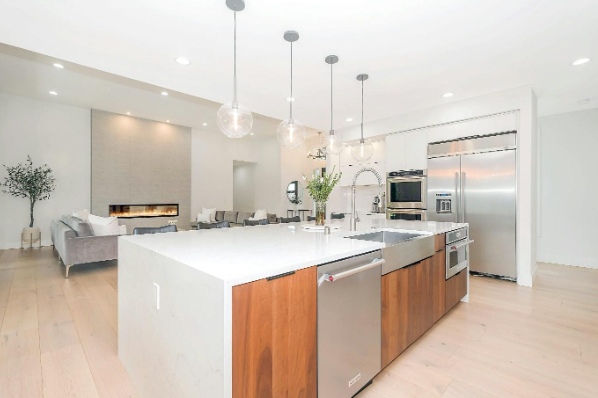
(395, 152)
(416, 150)
(347, 176)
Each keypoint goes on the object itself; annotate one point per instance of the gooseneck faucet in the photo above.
(353, 187)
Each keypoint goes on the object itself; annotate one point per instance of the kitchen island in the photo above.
(232, 312)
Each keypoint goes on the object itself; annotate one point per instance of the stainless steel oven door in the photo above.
(407, 192)
(457, 257)
(406, 214)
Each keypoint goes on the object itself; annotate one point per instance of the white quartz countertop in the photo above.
(245, 254)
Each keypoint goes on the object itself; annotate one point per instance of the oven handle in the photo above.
(461, 245)
(341, 275)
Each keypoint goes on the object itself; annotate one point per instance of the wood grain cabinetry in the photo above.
(274, 337)
(456, 289)
(413, 299)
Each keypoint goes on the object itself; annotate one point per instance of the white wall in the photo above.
(522, 99)
(244, 187)
(58, 135)
(568, 188)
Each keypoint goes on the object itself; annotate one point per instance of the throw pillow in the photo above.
(104, 226)
(81, 214)
(211, 212)
(202, 217)
(260, 214)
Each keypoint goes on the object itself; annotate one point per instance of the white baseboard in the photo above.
(584, 262)
(17, 245)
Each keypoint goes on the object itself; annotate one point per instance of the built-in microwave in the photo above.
(406, 189)
(406, 214)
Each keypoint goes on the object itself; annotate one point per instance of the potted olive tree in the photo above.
(33, 183)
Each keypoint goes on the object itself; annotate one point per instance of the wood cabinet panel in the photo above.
(438, 275)
(439, 242)
(456, 289)
(417, 275)
(274, 337)
(395, 314)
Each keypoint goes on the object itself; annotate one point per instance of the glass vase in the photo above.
(320, 213)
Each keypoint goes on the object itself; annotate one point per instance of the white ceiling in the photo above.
(413, 50)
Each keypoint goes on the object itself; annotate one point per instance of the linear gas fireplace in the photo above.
(144, 211)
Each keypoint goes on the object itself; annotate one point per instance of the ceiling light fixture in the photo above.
(251, 134)
(448, 95)
(349, 119)
(580, 61)
(167, 121)
(583, 101)
(334, 142)
(53, 92)
(204, 124)
(183, 61)
(291, 132)
(319, 152)
(234, 119)
(59, 66)
(363, 150)
(164, 93)
(128, 113)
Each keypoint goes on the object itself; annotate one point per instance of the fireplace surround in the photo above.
(144, 210)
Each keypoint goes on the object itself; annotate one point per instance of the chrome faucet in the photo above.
(353, 187)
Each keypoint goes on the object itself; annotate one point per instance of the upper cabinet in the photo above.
(416, 150)
(395, 152)
(350, 166)
(407, 151)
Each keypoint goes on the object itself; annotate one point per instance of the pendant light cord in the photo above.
(331, 107)
(292, 99)
(362, 111)
(235, 61)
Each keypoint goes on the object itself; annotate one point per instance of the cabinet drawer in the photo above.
(439, 242)
(456, 289)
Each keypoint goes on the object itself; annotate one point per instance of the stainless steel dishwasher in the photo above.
(349, 324)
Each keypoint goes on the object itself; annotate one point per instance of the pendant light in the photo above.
(234, 119)
(363, 150)
(291, 132)
(334, 142)
(319, 152)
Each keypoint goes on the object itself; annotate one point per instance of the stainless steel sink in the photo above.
(402, 248)
(388, 237)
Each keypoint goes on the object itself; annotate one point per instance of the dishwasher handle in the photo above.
(335, 277)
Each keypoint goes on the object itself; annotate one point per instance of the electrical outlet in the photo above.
(157, 296)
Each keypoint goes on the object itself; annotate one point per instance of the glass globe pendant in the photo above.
(291, 132)
(234, 119)
(334, 142)
(362, 151)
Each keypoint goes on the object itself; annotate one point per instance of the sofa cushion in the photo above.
(242, 216)
(219, 215)
(230, 216)
(81, 228)
(271, 218)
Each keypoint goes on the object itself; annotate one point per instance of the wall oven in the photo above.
(406, 189)
(406, 214)
(457, 251)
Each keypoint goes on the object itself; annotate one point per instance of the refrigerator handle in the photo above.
(458, 194)
(463, 175)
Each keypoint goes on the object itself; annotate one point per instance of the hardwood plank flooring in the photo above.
(58, 337)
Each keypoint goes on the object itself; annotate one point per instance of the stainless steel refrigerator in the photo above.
(475, 181)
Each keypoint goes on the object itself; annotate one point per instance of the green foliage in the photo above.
(26, 181)
(320, 187)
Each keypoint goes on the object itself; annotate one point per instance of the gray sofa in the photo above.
(74, 240)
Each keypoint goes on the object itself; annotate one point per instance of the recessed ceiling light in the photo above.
(349, 119)
(583, 101)
(167, 121)
(59, 66)
(164, 93)
(291, 99)
(128, 113)
(580, 61)
(251, 134)
(53, 93)
(447, 95)
(204, 124)
(183, 61)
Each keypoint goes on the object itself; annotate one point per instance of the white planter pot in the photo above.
(30, 236)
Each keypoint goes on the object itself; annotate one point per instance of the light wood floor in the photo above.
(58, 337)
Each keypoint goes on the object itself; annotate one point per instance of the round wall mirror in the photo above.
(295, 192)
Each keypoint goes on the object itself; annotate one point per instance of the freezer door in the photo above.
(489, 185)
(443, 189)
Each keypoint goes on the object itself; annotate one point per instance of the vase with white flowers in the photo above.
(319, 188)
